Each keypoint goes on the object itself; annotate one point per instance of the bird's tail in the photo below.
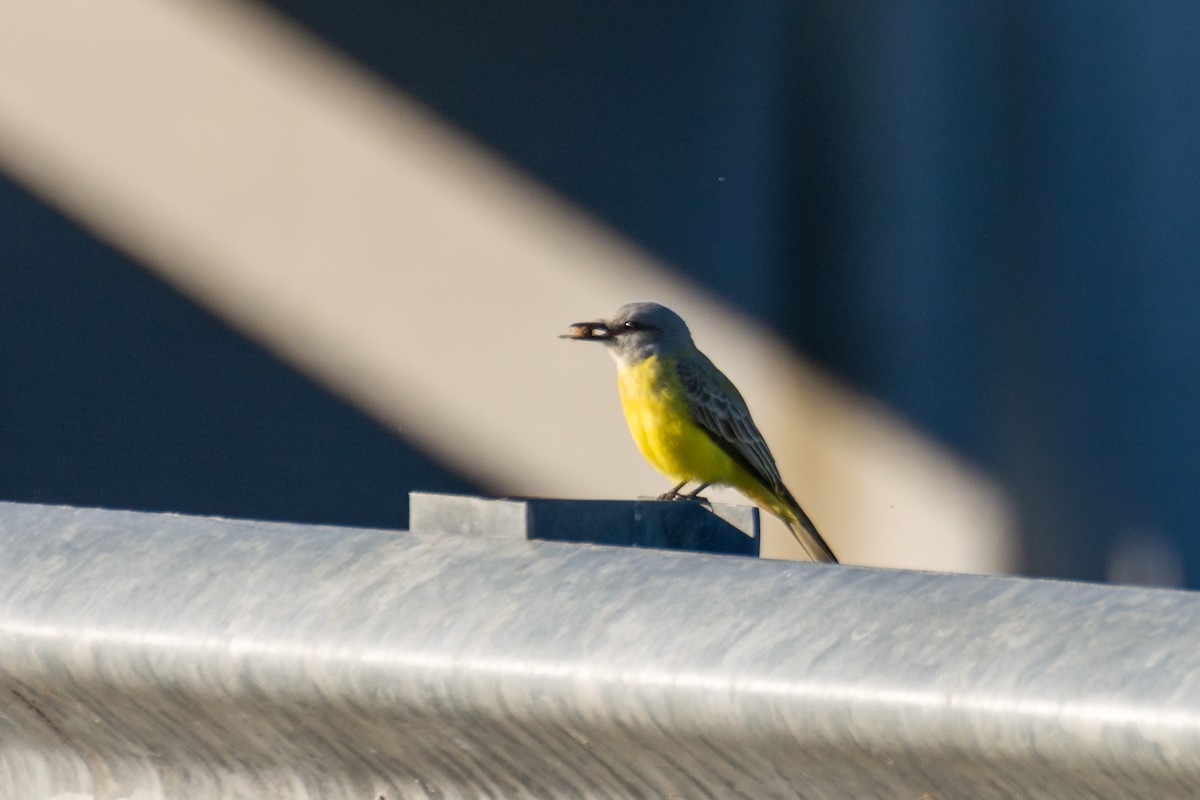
(803, 529)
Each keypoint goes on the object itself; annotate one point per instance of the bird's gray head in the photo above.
(636, 332)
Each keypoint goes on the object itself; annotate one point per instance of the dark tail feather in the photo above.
(806, 532)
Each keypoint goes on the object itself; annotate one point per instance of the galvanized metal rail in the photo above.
(146, 656)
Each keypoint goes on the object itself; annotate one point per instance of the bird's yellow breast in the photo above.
(660, 419)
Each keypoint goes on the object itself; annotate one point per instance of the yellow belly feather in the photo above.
(660, 420)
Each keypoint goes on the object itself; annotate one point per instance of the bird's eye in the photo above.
(631, 326)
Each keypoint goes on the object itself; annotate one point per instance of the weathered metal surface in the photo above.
(146, 656)
(708, 528)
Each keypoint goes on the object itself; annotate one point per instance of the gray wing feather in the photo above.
(718, 407)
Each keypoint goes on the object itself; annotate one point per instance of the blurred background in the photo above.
(293, 260)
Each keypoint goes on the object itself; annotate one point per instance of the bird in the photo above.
(689, 420)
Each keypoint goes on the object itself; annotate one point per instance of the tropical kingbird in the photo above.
(688, 419)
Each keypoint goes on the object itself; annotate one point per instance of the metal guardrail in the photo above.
(146, 656)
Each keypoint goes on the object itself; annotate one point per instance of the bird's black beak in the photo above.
(597, 331)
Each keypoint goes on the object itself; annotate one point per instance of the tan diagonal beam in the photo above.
(392, 259)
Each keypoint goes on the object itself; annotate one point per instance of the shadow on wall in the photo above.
(120, 393)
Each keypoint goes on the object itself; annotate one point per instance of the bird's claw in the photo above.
(675, 495)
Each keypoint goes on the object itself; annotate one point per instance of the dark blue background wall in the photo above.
(117, 392)
(986, 214)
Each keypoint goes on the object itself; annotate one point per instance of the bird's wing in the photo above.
(719, 409)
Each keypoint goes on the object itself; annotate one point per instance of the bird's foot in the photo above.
(673, 494)
(692, 496)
